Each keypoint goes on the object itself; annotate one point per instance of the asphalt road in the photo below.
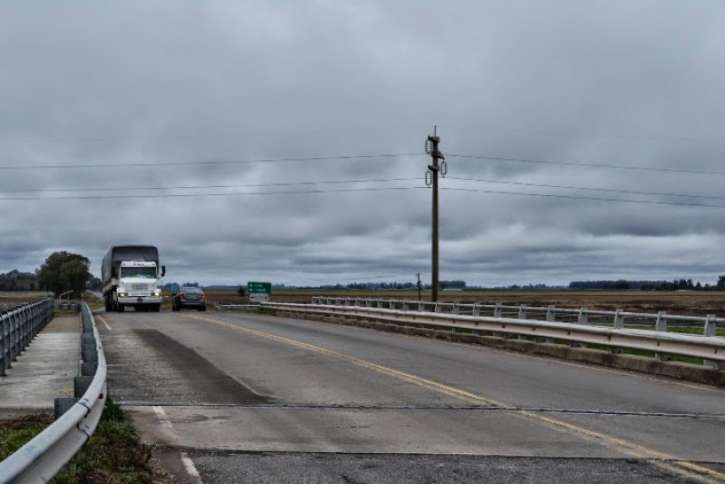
(247, 398)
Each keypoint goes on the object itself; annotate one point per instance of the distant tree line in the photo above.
(675, 285)
(18, 281)
(381, 286)
(62, 271)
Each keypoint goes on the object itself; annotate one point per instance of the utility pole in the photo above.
(419, 285)
(431, 179)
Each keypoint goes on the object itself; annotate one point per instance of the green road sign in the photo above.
(259, 287)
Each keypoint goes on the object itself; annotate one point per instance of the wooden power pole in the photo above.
(437, 166)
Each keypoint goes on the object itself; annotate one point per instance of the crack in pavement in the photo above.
(488, 408)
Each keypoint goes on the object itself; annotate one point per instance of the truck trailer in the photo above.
(132, 278)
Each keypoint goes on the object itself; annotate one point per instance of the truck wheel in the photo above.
(119, 307)
(157, 308)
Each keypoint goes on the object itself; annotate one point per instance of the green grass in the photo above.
(679, 329)
(15, 433)
(113, 454)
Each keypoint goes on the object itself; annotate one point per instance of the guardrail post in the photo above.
(436, 308)
(618, 319)
(710, 325)
(661, 324)
(522, 312)
(550, 313)
(421, 307)
(497, 311)
(62, 405)
(710, 330)
(14, 324)
(583, 317)
(476, 310)
(455, 309)
(3, 346)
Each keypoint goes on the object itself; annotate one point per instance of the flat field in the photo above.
(677, 302)
(9, 299)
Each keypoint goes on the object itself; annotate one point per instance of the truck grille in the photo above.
(139, 287)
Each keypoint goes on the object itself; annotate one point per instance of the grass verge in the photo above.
(112, 455)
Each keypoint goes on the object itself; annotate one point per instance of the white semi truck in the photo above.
(132, 278)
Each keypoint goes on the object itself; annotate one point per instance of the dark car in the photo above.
(189, 297)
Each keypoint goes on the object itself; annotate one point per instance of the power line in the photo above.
(591, 189)
(197, 187)
(576, 197)
(587, 164)
(201, 195)
(206, 162)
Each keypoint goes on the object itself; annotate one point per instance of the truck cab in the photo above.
(138, 286)
(132, 277)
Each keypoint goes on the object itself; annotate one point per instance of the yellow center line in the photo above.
(662, 460)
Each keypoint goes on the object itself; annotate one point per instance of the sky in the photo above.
(128, 99)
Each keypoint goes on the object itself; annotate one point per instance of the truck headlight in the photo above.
(157, 293)
(122, 294)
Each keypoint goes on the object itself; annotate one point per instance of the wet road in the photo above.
(251, 398)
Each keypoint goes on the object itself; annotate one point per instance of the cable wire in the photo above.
(197, 187)
(206, 162)
(591, 189)
(575, 197)
(586, 164)
(200, 195)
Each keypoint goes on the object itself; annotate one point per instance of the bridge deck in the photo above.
(345, 401)
(44, 371)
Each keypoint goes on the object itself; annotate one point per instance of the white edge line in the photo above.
(186, 461)
(190, 467)
(105, 323)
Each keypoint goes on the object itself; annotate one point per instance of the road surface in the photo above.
(233, 397)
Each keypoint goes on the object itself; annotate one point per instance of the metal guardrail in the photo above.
(43, 456)
(18, 327)
(229, 307)
(615, 319)
(710, 348)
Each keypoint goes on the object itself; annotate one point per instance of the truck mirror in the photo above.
(163, 271)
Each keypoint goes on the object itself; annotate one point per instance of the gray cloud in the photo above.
(149, 82)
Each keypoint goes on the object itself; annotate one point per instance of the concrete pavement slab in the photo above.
(44, 371)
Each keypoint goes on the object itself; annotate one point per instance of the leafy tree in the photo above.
(721, 282)
(64, 271)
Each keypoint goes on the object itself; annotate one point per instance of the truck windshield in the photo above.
(145, 272)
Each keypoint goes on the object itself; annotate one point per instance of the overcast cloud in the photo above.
(630, 82)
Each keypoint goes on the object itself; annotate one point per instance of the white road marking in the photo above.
(189, 466)
(186, 461)
(105, 323)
